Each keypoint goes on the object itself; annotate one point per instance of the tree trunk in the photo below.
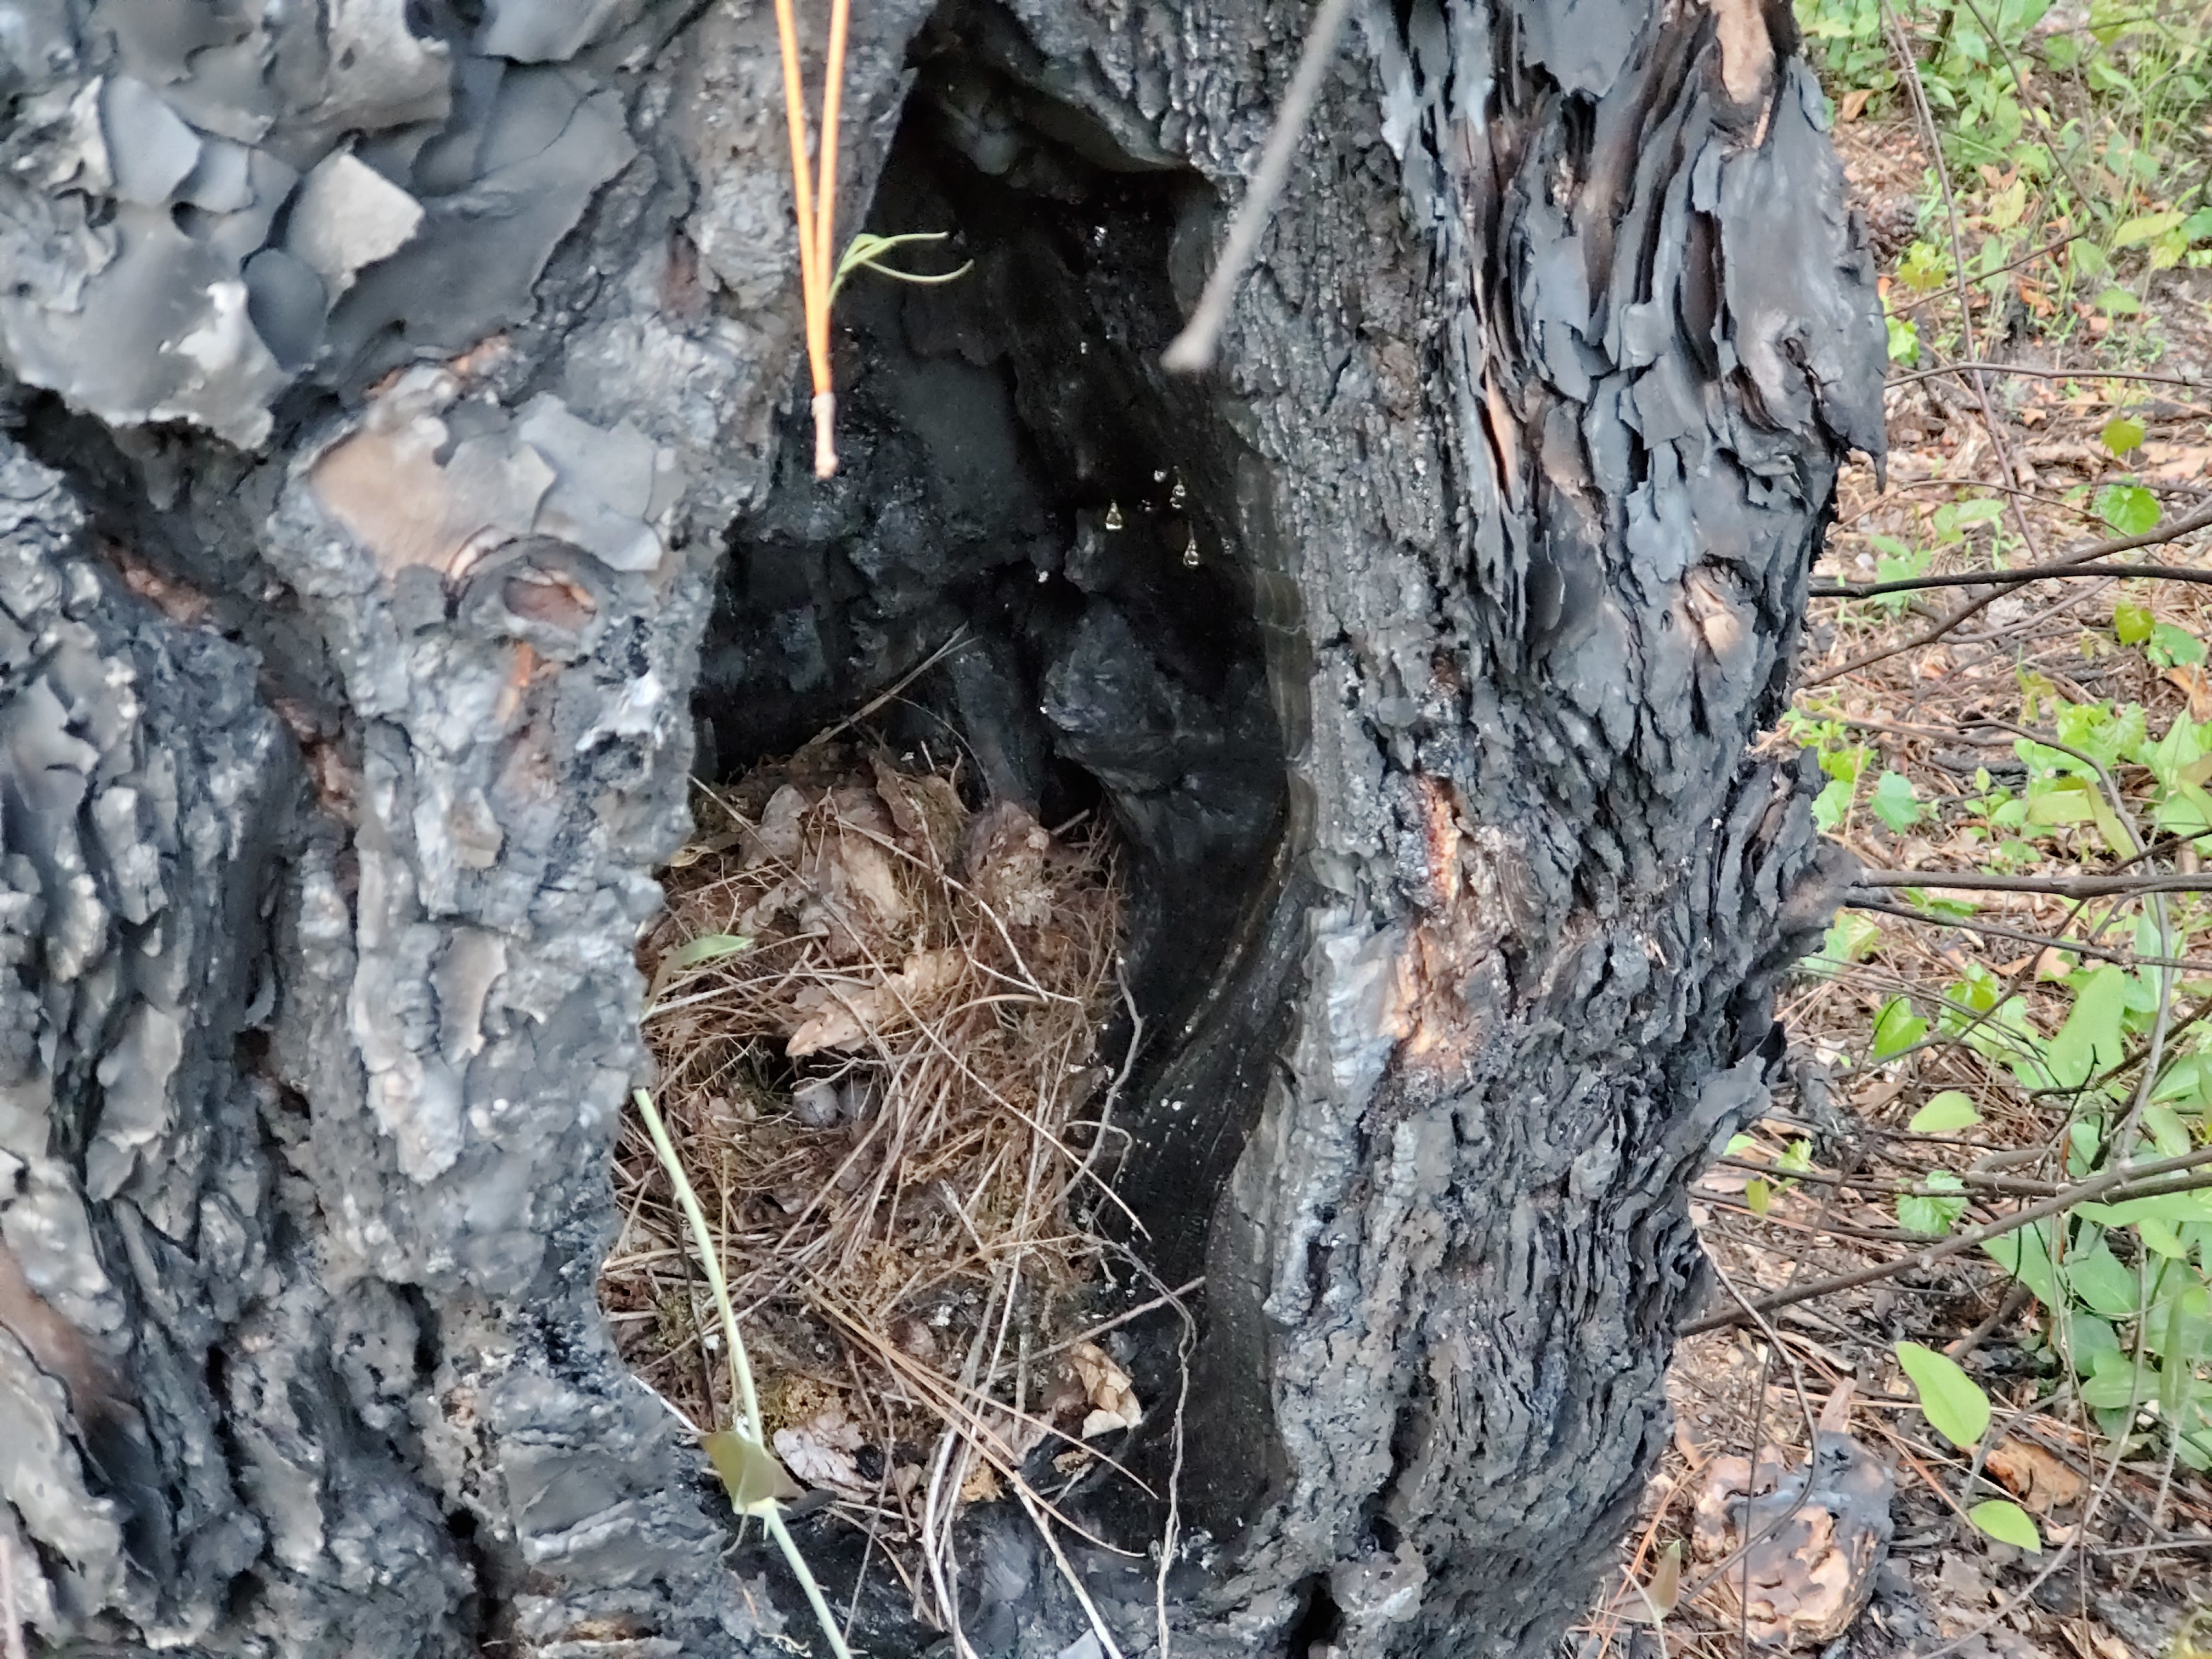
(399, 396)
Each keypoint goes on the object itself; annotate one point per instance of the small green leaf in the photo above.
(1894, 803)
(2168, 1131)
(1924, 270)
(1953, 1402)
(1926, 1213)
(2095, 1275)
(2132, 623)
(2161, 1239)
(755, 1479)
(1739, 1145)
(2129, 508)
(2119, 302)
(2121, 434)
(1852, 937)
(708, 947)
(1756, 1197)
(2176, 645)
(2115, 1388)
(1897, 1028)
(1832, 804)
(1904, 340)
(866, 251)
(2008, 1523)
(2090, 1039)
(1951, 1109)
(2146, 228)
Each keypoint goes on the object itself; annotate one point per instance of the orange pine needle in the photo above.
(816, 213)
(825, 255)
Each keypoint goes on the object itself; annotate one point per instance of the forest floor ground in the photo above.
(1980, 1074)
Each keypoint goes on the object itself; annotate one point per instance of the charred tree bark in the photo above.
(396, 397)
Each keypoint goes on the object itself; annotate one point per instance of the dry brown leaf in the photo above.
(843, 1015)
(2191, 678)
(819, 1451)
(2041, 1481)
(777, 836)
(1806, 1580)
(1686, 1443)
(2176, 463)
(1113, 1399)
(981, 1486)
(927, 809)
(862, 869)
(1004, 856)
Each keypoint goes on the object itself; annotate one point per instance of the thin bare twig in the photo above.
(2020, 936)
(1191, 352)
(1944, 624)
(2165, 573)
(1964, 370)
(2120, 1181)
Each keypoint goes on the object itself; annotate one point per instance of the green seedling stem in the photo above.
(741, 1370)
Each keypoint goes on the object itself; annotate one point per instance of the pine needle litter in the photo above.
(875, 1015)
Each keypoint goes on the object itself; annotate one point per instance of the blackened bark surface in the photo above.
(386, 385)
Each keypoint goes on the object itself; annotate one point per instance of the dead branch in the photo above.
(1191, 352)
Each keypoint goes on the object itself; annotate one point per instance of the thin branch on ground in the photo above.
(1964, 370)
(2060, 886)
(2117, 1184)
(1944, 624)
(2020, 936)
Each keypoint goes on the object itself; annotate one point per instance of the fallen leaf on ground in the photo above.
(1814, 1571)
(842, 1017)
(1113, 1399)
(2191, 678)
(2041, 1481)
(2175, 463)
(819, 1451)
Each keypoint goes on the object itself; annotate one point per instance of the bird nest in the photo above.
(874, 1013)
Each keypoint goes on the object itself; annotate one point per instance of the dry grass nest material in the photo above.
(874, 1014)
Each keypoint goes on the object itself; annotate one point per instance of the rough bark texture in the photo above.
(395, 394)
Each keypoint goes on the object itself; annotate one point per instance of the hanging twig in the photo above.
(1192, 351)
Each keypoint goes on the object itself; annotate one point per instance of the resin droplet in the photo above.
(1113, 515)
(1190, 553)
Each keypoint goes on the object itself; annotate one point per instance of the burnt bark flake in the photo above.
(395, 396)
